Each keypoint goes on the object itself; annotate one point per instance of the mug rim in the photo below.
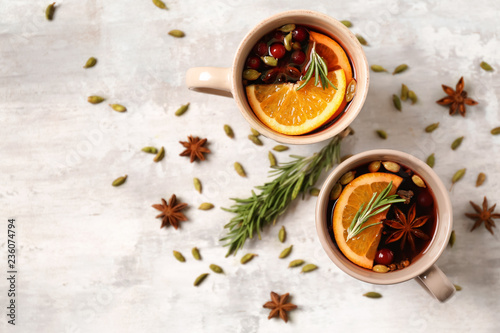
(335, 128)
(430, 254)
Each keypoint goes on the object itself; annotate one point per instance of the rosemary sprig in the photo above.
(377, 205)
(317, 65)
(291, 178)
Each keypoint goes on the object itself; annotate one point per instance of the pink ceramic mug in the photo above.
(228, 81)
(423, 269)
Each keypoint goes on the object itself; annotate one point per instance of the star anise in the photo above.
(171, 212)
(279, 306)
(483, 215)
(457, 98)
(406, 227)
(194, 148)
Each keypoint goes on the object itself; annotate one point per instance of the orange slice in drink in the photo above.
(288, 111)
(361, 249)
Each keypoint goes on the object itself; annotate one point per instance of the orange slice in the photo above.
(361, 249)
(288, 111)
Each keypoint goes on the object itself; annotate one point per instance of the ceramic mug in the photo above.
(423, 269)
(228, 81)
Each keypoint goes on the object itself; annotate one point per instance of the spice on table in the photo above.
(206, 206)
(119, 181)
(239, 169)
(481, 177)
(160, 155)
(401, 68)
(456, 143)
(346, 23)
(314, 192)
(412, 96)
(160, 4)
(431, 160)
(362, 40)
(255, 140)
(216, 269)
(457, 287)
(118, 107)
(229, 131)
(372, 294)
(397, 102)
(171, 213)
(485, 215)
(247, 257)
(404, 92)
(254, 131)
(286, 252)
(177, 33)
(200, 279)
(179, 256)
(196, 253)
(296, 263)
(49, 12)
(458, 175)
(432, 127)
(90, 62)
(279, 306)
(195, 148)
(280, 148)
(282, 234)
(272, 159)
(381, 134)
(180, 111)
(95, 99)
(309, 268)
(456, 99)
(378, 68)
(487, 67)
(150, 150)
(495, 131)
(453, 237)
(197, 185)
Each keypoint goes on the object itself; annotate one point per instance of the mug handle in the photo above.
(436, 283)
(210, 80)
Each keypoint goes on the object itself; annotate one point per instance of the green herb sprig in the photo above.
(376, 205)
(292, 178)
(318, 66)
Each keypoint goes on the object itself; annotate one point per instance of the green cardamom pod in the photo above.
(350, 92)
(287, 28)
(229, 131)
(150, 150)
(286, 252)
(119, 181)
(239, 169)
(412, 96)
(380, 268)
(216, 269)
(391, 166)
(197, 184)
(272, 159)
(296, 263)
(251, 74)
(346, 23)
(254, 131)
(180, 111)
(160, 155)
(382, 134)
(372, 294)
(49, 12)
(336, 190)
(456, 143)
(95, 99)
(298, 186)
(374, 166)
(179, 256)
(160, 4)
(361, 40)
(484, 65)
(200, 279)
(255, 140)
(458, 175)
(247, 257)
(432, 127)
(270, 61)
(495, 131)
(378, 68)
(90, 63)
(401, 68)
(176, 33)
(314, 192)
(280, 148)
(196, 253)
(345, 157)
(347, 177)
(206, 206)
(309, 268)
(404, 92)
(418, 181)
(431, 160)
(457, 287)
(118, 107)
(480, 179)
(452, 238)
(282, 234)
(397, 102)
(287, 41)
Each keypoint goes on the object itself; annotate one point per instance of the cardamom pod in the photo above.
(345, 157)
(251, 74)
(282, 234)
(239, 169)
(150, 150)
(180, 111)
(118, 107)
(287, 28)
(336, 190)
(196, 253)
(179, 256)
(280, 148)
(372, 294)
(229, 131)
(206, 206)
(412, 96)
(287, 41)
(431, 160)
(296, 263)
(197, 184)
(90, 62)
(270, 61)
(374, 166)
(361, 40)
(404, 92)
(216, 269)
(391, 166)
(397, 102)
(255, 140)
(95, 99)
(314, 192)
(309, 268)
(458, 175)
(200, 279)
(346, 23)
(480, 179)
(49, 12)
(380, 268)
(286, 252)
(347, 177)
(119, 181)
(176, 33)
(457, 287)
(378, 68)
(382, 134)
(254, 131)
(432, 127)
(487, 67)
(418, 181)
(456, 143)
(495, 131)
(160, 4)
(452, 238)
(272, 159)
(401, 68)
(160, 155)
(247, 257)
(350, 92)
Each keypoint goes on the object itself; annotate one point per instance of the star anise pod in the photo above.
(279, 306)
(194, 148)
(406, 227)
(457, 98)
(171, 212)
(483, 215)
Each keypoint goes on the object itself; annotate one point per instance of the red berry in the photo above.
(299, 34)
(425, 199)
(298, 57)
(277, 50)
(253, 62)
(260, 49)
(384, 257)
(279, 36)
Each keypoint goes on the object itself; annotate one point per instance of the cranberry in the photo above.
(384, 257)
(253, 62)
(299, 34)
(293, 72)
(425, 199)
(279, 36)
(260, 49)
(277, 50)
(298, 57)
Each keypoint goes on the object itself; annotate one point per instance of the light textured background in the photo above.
(92, 258)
